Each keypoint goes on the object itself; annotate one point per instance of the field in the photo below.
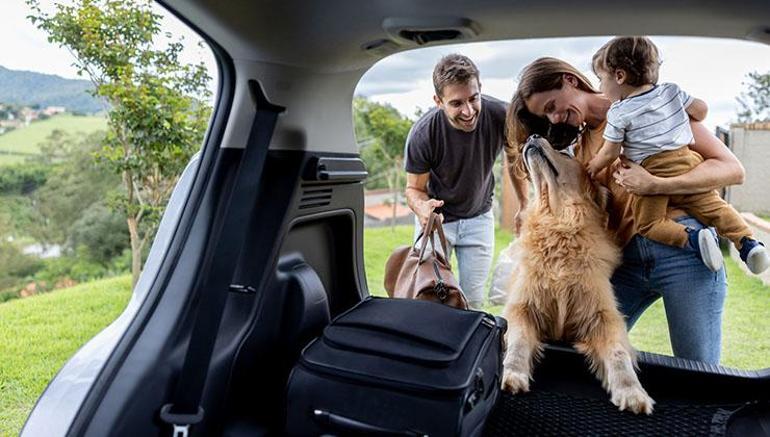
(38, 335)
(17, 145)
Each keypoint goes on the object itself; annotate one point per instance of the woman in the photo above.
(552, 92)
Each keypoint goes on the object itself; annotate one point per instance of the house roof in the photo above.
(385, 212)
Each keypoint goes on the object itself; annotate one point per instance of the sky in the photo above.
(711, 69)
(27, 48)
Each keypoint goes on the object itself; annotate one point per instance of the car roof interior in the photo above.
(314, 53)
(332, 36)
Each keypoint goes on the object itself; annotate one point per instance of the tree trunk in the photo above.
(133, 233)
(394, 188)
(136, 251)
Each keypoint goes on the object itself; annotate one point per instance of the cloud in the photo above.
(25, 45)
(711, 69)
(401, 72)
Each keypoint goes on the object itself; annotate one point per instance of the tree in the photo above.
(157, 112)
(381, 132)
(73, 185)
(755, 101)
(99, 234)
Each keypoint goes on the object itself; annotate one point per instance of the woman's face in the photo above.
(563, 105)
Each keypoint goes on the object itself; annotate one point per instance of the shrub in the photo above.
(100, 234)
(15, 266)
(22, 178)
(74, 266)
(7, 295)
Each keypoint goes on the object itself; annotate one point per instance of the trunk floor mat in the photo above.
(544, 413)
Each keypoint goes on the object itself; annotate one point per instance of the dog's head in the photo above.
(559, 179)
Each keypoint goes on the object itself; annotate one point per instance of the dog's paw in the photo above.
(515, 382)
(633, 398)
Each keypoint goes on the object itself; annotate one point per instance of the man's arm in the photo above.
(720, 168)
(417, 198)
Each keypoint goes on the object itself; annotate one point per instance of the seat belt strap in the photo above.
(225, 241)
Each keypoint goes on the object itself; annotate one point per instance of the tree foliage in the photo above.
(381, 133)
(22, 178)
(100, 234)
(755, 100)
(158, 112)
(15, 265)
(74, 184)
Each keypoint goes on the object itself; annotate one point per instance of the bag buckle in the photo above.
(441, 290)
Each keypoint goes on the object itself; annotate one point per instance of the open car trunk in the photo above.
(300, 261)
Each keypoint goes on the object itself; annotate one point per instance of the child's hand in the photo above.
(593, 168)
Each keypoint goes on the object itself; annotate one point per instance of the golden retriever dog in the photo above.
(560, 288)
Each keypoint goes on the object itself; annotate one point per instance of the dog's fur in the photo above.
(560, 287)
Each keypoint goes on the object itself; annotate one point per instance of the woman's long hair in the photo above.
(544, 74)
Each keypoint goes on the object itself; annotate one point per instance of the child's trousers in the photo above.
(708, 208)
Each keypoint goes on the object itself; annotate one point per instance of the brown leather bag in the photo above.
(412, 273)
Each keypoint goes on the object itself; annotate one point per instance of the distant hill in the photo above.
(30, 88)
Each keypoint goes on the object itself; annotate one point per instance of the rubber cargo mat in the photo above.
(543, 413)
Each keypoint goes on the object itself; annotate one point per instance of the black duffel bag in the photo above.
(398, 367)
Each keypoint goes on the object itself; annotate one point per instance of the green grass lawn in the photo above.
(38, 334)
(27, 140)
(745, 329)
(745, 325)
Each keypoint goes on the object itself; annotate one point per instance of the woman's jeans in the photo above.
(693, 296)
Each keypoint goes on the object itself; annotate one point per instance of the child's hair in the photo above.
(636, 55)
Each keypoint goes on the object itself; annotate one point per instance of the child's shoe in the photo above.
(754, 254)
(704, 242)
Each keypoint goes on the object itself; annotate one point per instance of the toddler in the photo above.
(650, 124)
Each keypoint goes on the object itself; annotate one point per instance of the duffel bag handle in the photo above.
(346, 424)
(433, 225)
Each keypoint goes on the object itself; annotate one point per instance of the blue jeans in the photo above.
(693, 296)
(473, 240)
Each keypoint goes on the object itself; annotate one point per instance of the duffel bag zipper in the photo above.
(440, 288)
(390, 383)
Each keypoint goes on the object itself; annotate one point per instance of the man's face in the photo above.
(462, 104)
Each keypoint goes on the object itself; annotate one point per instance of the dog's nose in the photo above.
(534, 137)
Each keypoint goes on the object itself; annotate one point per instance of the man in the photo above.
(449, 160)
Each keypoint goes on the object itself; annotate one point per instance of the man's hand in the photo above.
(423, 209)
(634, 178)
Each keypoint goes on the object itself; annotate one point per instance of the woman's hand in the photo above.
(634, 178)
(518, 221)
(720, 168)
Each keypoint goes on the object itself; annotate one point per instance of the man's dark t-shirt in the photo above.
(460, 163)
